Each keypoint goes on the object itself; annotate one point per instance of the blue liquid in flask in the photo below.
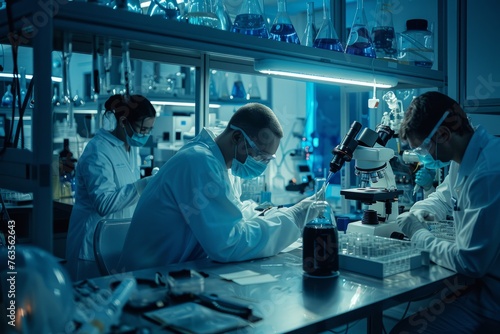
(363, 45)
(284, 33)
(250, 24)
(328, 44)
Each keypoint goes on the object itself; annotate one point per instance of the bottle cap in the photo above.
(416, 24)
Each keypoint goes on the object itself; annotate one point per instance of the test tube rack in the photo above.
(377, 256)
(444, 229)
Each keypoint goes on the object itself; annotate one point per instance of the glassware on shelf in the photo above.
(128, 5)
(223, 86)
(250, 20)
(7, 98)
(383, 35)
(282, 29)
(311, 31)
(200, 13)
(238, 91)
(320, 237)
(327, 37)
(221, 12)
(416, 44)
(360, 42)
(253, 90)
(165, 8)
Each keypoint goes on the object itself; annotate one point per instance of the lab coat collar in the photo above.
(106, 135)
(478, 141)
(207, 137)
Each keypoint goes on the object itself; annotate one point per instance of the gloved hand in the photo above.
(423, 215)
(299, 210)
(425, 178)
(410, 223)
(141, 184)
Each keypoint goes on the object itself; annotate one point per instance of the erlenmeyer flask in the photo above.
(7, 97)
(327, 37)
(282, 28)
(128, 5)
(383, 36)
(311, 31)
(250, 20)
(223, 88)
(200, 13)
(221, 12)
(320, 237)
(165, 8)
(360, 42)
(253, 90)
(238, 91)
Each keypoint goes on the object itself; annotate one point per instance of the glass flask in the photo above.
(221, 12)
(250, 20)
(383, 35)
(7, 97)
(311, 31)
(282, 28)
(200, 13)
(223, 86)
(165, 8)
(360, 42)
(320, 237)
(129, 5)
(253, 90)
(416, 44)
(238, 91)
(327, 37)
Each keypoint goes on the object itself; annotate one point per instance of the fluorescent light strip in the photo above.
(28, 76)
(326, 73)
(182, 104)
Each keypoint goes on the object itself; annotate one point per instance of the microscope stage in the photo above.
(370, 195)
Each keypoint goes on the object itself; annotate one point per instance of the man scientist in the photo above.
(193, 209)
(440, 133)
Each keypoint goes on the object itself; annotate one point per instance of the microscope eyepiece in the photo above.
(343, 152)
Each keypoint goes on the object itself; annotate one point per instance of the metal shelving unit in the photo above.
(154, 39)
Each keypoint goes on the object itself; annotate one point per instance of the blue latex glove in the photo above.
(425, 177)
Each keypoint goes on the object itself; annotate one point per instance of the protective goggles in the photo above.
(143, 131)
(423, 149)
(260, 155)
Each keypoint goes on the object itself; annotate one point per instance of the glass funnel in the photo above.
(383, 35)
(360, 42)
(283, 29)
(165, 8)
(320, 237)
(311, 31)
(250, 20)
(327, 37)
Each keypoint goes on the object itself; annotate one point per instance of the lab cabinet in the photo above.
(151, 39)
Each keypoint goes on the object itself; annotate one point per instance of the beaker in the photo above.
(327, 37)
(360, 42)
(282, 29)
(311, 31)
(320, 237)
(383, 35)
(250, 20)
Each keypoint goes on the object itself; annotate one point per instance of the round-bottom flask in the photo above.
(320, 237)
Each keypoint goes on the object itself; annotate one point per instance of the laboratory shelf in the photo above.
(44, 25)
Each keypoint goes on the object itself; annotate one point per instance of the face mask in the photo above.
(248, 170)
(423, 150)
(136, 140)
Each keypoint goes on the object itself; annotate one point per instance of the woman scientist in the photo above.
(108, 183)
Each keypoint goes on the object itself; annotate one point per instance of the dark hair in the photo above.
(255, 117)
(135, 107)
(424, 112)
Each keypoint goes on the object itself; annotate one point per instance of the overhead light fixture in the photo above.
(28, 77)
(181, 104)
(326, 73)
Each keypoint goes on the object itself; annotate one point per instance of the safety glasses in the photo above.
(259, 155)
(423, 149)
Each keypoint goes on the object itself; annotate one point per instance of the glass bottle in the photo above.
(238, 91)
(200, 13)
(250, 20)
(282, 28)
(311, 31)
(327, 37)
(383, 35)
(320, 237)
(221, 12)
(7, 97)
(360, 42)
(165, 8)
(416, 44)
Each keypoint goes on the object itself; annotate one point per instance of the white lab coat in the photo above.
(106, 187)
(192, 211)
(474, 184)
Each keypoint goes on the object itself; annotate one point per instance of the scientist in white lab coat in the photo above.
(108, 183)
(438, 128)
(193, 210)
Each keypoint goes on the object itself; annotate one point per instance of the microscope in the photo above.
(377, 187)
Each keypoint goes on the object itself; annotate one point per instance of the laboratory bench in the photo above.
(279, 298)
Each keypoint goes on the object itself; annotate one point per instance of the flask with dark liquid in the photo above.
(327, 37)
(320, 237)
